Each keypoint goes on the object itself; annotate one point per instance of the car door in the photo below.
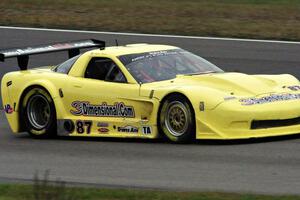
(102, 103)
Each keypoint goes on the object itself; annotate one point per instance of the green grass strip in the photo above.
(28, 192)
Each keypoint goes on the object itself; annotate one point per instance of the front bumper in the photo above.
(231, 120)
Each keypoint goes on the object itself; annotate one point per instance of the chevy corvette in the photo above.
(144, 91)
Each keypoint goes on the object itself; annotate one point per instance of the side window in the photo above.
(66, 66)
(104, 69)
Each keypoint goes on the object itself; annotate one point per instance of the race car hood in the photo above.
(218, 87)
(237, 83)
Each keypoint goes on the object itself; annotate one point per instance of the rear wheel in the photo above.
(176, 119)
(39, 113)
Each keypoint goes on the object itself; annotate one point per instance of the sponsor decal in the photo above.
(147, 130)
(31, 50)
(103, 130)
(294, 87)
(102, 124)
(128, 129)
(269, 99)
(119, 109)
(103, 127)
(126, 59)
(8, 109)
(154, 54)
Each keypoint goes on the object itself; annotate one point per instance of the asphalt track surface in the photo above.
(269, 166)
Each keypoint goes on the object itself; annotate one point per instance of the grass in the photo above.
(267, 19)
(44, 189)
(26, 192)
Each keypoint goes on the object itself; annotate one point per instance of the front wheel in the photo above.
(39, 113)
(176, 119)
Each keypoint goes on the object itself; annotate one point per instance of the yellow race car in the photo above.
(144, 91)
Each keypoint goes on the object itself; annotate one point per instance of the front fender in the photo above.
(196, 94)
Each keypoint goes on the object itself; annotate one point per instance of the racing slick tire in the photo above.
(39, 114)
(177, 119)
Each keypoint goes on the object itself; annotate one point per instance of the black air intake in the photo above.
(261, 124)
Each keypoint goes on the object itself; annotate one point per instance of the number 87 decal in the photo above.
(83, 126)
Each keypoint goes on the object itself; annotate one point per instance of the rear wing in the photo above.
(73, 48)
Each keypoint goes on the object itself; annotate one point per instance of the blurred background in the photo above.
(267, 19)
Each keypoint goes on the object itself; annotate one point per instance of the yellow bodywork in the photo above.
(222, 116)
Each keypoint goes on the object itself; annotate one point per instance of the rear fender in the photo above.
(15, 97)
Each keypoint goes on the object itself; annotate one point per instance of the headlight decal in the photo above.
(269, 99)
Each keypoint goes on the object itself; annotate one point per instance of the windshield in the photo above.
(165, 65)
